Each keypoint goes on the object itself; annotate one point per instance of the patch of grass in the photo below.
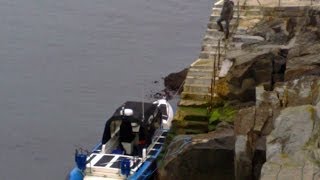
(225, 113)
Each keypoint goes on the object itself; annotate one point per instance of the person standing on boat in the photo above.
(226, 15)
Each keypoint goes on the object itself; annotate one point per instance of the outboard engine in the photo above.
(78, 172)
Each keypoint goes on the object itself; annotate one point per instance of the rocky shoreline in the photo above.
(273, 90)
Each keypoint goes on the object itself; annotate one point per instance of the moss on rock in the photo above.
(225, 113)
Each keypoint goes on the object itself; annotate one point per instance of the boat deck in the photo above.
(108, 165)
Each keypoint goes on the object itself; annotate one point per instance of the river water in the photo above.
(66, 65)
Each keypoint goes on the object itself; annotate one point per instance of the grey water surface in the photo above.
(66, 65)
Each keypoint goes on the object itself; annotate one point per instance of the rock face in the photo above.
(283, 126)
(289, 51)
(274, 85)
(304, 58)
(251, 69)
(283, 120)
(201, 156)
(292, 146)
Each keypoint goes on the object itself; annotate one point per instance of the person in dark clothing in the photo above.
(226, 15)
(126, 134)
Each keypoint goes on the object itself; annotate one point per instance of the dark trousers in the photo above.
(221, 27)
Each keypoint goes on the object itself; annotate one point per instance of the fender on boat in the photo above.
(76, 174)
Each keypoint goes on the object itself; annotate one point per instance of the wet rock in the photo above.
(174, 81)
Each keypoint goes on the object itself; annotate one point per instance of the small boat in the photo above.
(132, 140)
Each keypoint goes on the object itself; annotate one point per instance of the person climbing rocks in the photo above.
(226, 15)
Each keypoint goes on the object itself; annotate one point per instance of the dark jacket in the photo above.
(227, 10)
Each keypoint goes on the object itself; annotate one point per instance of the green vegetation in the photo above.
(193, 119)
(219, 114)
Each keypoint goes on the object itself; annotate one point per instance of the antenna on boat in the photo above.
(142, 103)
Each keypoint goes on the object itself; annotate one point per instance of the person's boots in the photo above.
(227, 34)
(220, 26)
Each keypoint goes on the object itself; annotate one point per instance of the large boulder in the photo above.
(249, 70)
(253, 124)
(293, 144)
(201, 156)
(250, 143)
(273, 30)
(292, 147)
(174, 81)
